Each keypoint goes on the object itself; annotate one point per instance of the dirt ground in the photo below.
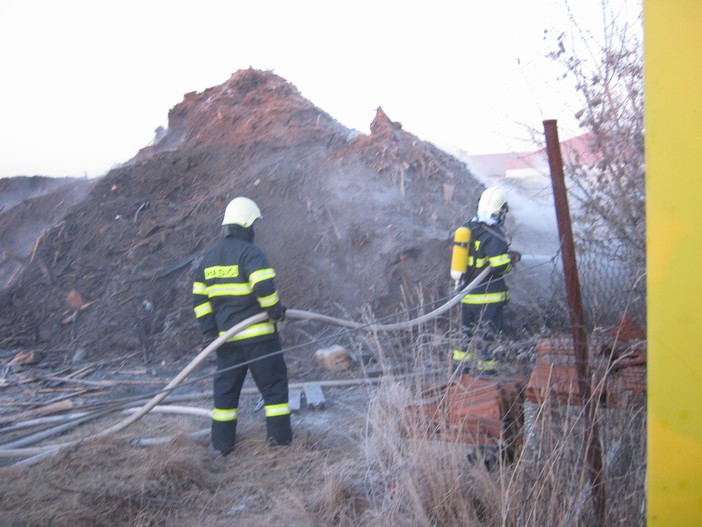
(184, 482)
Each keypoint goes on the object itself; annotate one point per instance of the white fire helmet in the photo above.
(241, 211)
(493, 203)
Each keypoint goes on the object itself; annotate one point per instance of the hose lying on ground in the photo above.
(41, 453)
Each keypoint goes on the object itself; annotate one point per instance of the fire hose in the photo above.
(40, 453)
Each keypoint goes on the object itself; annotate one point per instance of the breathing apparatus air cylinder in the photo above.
(459, 258)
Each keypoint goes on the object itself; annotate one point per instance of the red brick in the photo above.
(557, 382)
(627, 330)
(469, 410)
(627, 386)
(562, 348)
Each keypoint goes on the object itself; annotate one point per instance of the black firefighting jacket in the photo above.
(489, 246)
(234, 281)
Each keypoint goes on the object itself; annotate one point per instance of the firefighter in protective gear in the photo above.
(482, 308)
(234, 281)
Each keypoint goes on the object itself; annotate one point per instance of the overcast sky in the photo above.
(85, 83)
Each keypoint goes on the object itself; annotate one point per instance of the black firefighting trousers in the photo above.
(270, 374)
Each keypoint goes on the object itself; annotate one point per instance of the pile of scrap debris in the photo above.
(351, 222)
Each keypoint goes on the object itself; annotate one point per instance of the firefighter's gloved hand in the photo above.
(515, 256)
(277, 313)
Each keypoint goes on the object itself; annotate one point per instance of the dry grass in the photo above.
(357, 463)
(412, 480)
(415, 481)
(105, 483)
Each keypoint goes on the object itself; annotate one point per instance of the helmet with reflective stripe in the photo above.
(493, 203)
(241, 211)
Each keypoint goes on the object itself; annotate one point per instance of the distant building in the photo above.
(524, 165)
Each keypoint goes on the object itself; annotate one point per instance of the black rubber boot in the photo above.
(278, 430)
(223, 436)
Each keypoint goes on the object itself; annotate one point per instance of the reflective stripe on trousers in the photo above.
(273, 410)
(486, 298)
(218, 414)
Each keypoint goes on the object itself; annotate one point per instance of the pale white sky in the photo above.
(85, 83)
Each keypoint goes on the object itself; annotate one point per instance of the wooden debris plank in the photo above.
(56, 390)
(143, 381)
(78, 381)
(79, 374)
(38, 412)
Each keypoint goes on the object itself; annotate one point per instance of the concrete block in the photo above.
(314, 396)
(294, 397)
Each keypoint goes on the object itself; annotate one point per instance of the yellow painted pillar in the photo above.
(673, 99)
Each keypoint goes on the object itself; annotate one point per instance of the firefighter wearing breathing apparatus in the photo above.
(234, 281)
(482, 242)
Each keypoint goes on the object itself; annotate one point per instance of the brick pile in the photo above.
(626, 379)
(618, 367)
(554, 377)
(490, 411)
(470, 410)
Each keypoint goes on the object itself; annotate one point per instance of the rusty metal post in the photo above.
(593, 449)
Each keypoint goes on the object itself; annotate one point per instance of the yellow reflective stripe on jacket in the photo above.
(500, 259)
(203, 309)
(459, 355)
(229, 290)
(273, 410)
(256, 330)
(476, 262)
(261, 275)
(221, 271)
(268, 301)
(199, 288)
(486, 298)
(224, 415)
